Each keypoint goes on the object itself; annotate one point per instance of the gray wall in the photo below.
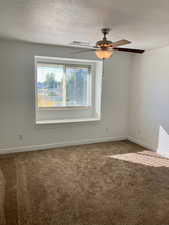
(17, 100)
(149, 100)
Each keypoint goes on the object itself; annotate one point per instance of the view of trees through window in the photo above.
(63, 85)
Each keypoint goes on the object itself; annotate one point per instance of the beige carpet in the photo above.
(116, 183)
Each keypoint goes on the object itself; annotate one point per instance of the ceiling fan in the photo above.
(104, 48)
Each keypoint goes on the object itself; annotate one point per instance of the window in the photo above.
(63, 85)
(67, 90)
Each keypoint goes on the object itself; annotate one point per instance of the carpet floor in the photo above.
(115, 183)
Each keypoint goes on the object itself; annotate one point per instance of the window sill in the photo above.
(63, 108)
(67, 121)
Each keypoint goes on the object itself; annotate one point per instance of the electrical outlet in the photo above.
(107, 129)
(20, 137)
(139, 133)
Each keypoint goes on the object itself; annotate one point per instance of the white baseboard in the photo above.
(142, 143)
(60, 144)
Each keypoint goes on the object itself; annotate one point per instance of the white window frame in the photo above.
(64, 107)
(95, 95)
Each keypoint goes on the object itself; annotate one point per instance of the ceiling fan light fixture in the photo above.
(104, 54)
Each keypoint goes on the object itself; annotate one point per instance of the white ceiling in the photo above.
(144, 22)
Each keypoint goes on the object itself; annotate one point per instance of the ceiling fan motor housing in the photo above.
(104, 43)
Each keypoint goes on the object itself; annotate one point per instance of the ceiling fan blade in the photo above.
(120, 42)
(132, 50)
(84, 50)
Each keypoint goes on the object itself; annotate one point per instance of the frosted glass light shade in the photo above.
(104, 54)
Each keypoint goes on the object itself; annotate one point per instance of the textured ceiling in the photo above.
(144, 22)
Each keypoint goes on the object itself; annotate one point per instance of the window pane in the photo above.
(63, 85)
(50, 85)
(77, 86)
